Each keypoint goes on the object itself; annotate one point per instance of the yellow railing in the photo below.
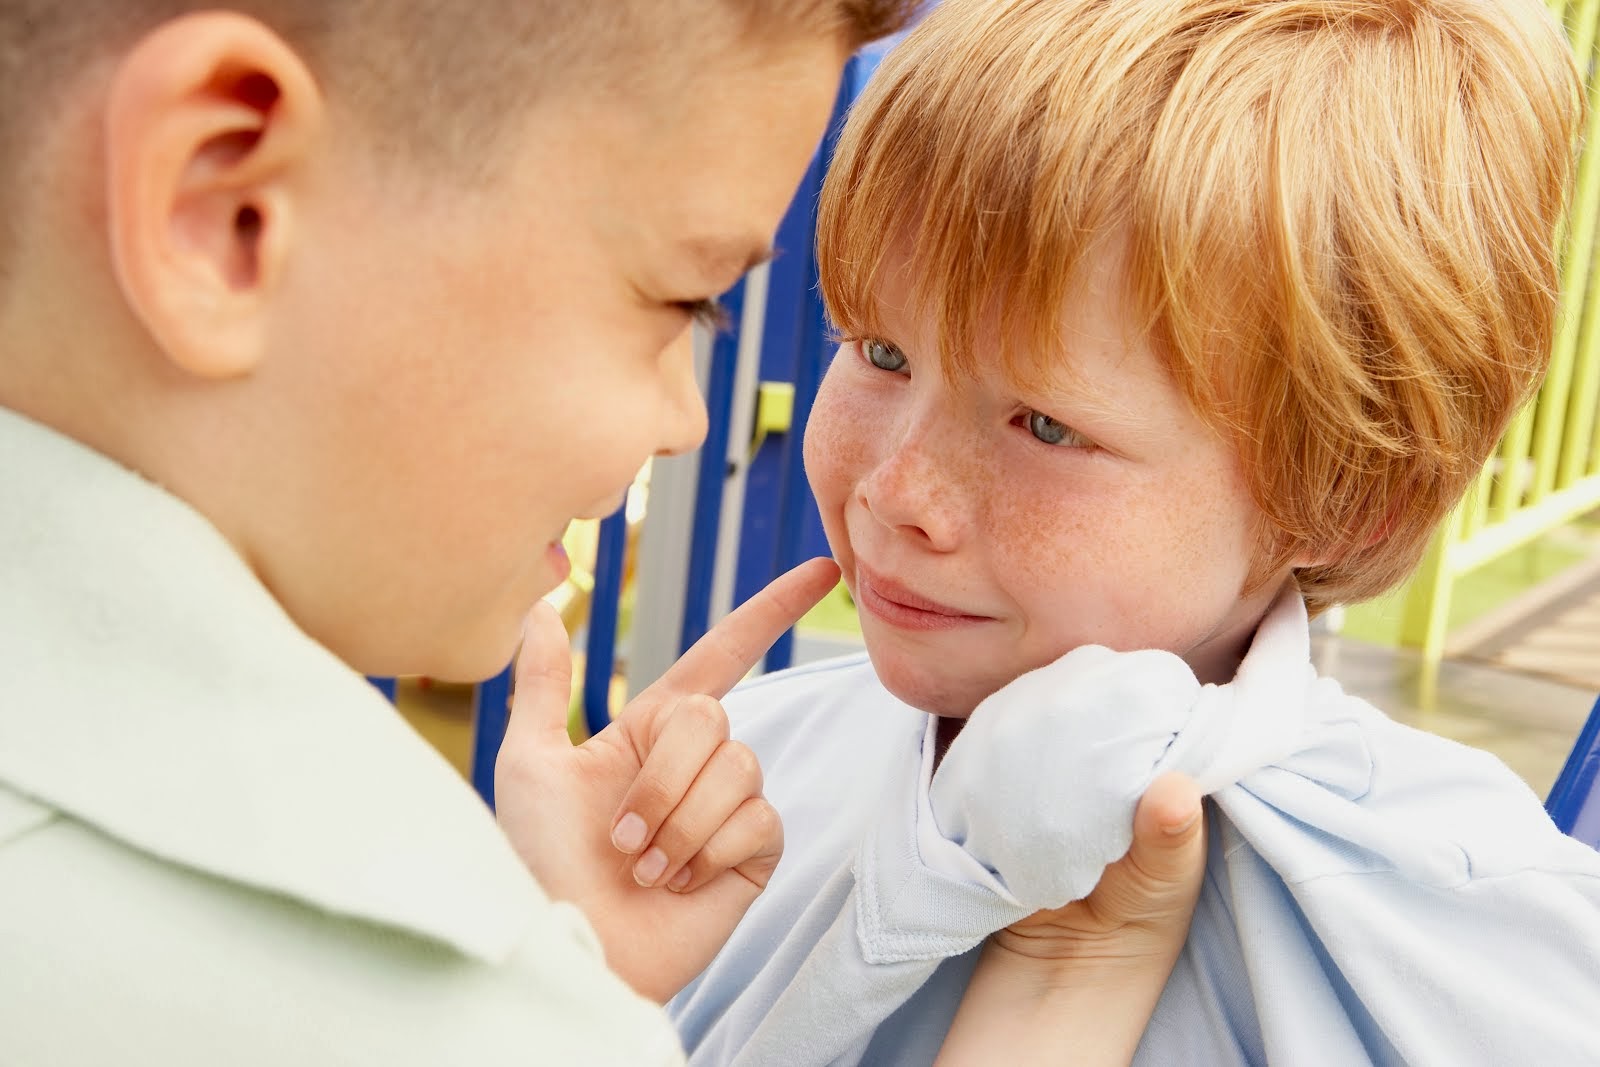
(1546, 471)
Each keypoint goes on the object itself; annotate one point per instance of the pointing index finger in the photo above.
(721, 659)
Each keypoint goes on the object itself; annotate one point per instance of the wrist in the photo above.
(1046, 949)
(1089, 1008)
(1084, 968)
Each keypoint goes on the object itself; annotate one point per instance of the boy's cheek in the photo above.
(828, 440)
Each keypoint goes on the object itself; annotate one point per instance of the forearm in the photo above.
(1026, 1010)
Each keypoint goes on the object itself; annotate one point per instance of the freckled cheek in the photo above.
(1045, 538)
(1217, 541)
(1164, 568)
(831, 443)
(838, 437)
(1096, 561)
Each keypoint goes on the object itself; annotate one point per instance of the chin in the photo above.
(472, 667)
(464, 665)
(926, 691)
(471, 654)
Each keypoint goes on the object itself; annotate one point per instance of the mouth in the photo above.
(899, 606)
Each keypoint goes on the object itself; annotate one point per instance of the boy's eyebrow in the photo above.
(726, 258)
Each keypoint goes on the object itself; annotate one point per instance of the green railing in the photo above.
(1546, 471)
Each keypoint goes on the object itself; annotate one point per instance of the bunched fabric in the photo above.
(1376, 895)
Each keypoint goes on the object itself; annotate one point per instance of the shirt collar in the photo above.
(156, 690)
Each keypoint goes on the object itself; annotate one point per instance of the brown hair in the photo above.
(1341, 217)
(432, 80)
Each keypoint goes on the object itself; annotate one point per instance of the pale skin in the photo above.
(1083, 977)
(988, 527)
(1094, 508)
(222, 287)
(668, 760)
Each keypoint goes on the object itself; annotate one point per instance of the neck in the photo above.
(1215, 660)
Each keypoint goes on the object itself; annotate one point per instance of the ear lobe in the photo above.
(208, 121)
(1309, 559)
(1320, 554)
(1323, 556)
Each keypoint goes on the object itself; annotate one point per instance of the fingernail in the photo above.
(1179, 829)
(628, 834)
(679, 880)
(650, 867)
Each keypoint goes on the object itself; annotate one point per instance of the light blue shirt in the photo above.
(1373, 893)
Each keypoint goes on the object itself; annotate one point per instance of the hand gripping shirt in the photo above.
(1373, 894)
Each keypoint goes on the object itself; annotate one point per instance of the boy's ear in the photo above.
(1311, 557)
(209, 121)
(1322, 555)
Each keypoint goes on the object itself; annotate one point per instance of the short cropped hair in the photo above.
(432, 80)
(1341, 217)
(434, 65)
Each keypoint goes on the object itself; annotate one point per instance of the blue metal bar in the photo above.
(796, 501)
(604, 605)
(1574, 801)
(713, 472)
(491, 709)
(791, 277)
(777, 503)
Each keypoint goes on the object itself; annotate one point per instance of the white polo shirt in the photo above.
(219, 845)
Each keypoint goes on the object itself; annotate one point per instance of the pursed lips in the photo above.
(888, 589)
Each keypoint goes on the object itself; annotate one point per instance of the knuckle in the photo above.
(743, 764)
(711, 860)
(705, 713)
(764, 820)
(759, 869)
(650, 798)
(676, 840)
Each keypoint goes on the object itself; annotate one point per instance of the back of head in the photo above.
(1341, 216)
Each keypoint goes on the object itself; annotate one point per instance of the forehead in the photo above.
(702, 168)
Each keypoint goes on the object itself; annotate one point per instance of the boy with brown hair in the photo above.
(1167, 324)
(320, 322)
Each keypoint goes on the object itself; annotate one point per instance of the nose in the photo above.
(683, 419)
(921, 491)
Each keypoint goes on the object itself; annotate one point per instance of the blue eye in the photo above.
(883, 355)
(1052, 432)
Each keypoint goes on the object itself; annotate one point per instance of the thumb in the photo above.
(543, 681)
(1169, 835)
